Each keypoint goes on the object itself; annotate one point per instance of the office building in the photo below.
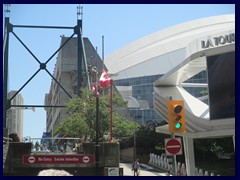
(15, 115)
(65, 73)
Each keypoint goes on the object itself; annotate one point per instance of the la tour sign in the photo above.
(217, 41)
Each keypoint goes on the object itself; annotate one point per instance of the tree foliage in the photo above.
(207, 149)
(81, 119)
(146, 137)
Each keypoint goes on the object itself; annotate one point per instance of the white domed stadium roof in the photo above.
(161, 51)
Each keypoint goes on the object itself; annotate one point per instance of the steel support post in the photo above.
(5, 85)
(79, 57)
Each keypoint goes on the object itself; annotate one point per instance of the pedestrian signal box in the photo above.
(176, 116)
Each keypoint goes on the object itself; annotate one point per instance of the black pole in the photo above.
(5, 86)
(174, 156)
(79, 56)
(97, 137)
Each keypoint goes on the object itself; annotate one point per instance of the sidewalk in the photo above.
(145, 170)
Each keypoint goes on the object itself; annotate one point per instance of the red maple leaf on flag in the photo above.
(105, 80)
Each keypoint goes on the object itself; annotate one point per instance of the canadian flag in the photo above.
(104, 79)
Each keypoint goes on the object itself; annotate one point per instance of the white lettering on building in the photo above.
(217, 41)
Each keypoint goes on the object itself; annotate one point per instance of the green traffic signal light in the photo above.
(178, 125)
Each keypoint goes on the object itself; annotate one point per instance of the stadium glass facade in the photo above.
(142, 91)
(198, 92)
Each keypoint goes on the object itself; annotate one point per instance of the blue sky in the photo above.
(119, 24)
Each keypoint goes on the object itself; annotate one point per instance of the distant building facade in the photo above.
(15, 115)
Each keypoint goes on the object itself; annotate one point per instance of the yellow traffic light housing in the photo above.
(176, 116)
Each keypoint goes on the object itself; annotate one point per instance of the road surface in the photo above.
(145, 170)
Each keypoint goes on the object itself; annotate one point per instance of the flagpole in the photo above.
(97, 135)
(111, 134)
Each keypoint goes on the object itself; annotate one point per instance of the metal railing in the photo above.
(162, 162)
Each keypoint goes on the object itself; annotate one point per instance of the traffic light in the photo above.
(176, 116)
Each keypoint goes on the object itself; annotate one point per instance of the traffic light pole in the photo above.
(174, 163)
(176, 123)
(174, 156)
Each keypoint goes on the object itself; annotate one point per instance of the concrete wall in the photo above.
(109, 156)
(126, 155)
(109, 153)
(14, 155)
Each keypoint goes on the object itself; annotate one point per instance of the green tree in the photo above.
(208, 148)
(81, 120)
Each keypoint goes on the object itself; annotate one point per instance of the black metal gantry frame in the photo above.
(42, 66)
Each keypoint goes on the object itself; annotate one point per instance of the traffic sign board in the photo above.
(173, 146)
(58, 159)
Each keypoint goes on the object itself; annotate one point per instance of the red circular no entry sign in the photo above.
(173, 146)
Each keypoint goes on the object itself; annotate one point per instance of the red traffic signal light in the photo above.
(176, 116)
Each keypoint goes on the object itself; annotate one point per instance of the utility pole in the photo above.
(174, 163)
